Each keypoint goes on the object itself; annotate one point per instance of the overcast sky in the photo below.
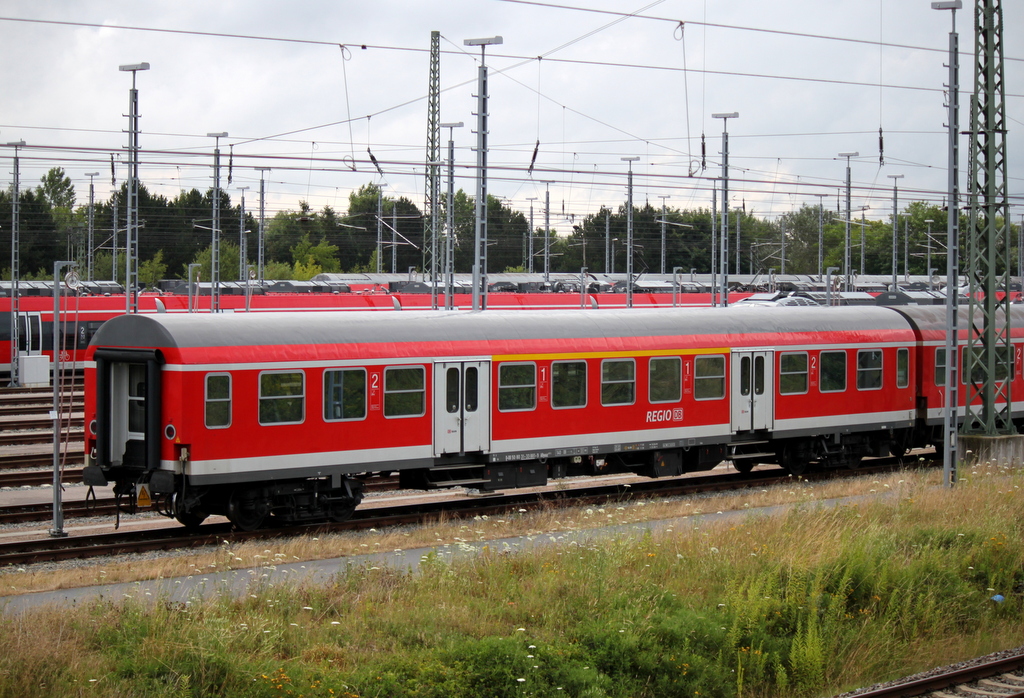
(809, 79)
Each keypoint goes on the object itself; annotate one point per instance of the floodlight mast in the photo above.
(480, 229)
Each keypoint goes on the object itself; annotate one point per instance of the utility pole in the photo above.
(547, 232)
(895, 229)
(952, 378)
(664, 212)
(629, 230)
(15, 267)
(215, 226)
(263, 215)
(131, 274)
(243, 247)
(989, 356)
(607, 240)
(846, 252)
(91, 226)
(480, 229)
(724, 255)
(529, 242)
(380, 223)
(821, 232)
(449, 238)
(113, 238)
(433, 184)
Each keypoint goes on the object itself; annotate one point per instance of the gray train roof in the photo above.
(932, 318)
(297, 328)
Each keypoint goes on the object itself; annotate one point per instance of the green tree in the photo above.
(57, 189)
(278, 271)
(305, 272)
(228, 262)
(400, 214)
(323, 254)
(152, 270)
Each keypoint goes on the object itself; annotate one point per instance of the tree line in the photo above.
(299, 244)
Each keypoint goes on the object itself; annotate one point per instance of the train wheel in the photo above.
(191, 519)
(343, 512)
(246, 511)
(793, 460)
(743, 466)
(188, 519)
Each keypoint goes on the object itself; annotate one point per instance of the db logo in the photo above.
(655, 416)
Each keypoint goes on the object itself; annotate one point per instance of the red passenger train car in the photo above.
(282, 415)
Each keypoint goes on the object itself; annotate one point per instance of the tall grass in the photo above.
(801, 604)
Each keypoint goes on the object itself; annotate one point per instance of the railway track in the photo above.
(35, 478)
(174, 537)
(26, 435)
(105, 506)
(999, 678)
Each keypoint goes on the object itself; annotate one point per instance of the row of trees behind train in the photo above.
(300, 244)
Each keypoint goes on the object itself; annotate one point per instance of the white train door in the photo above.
(462, 407)
(128, 413)
(753, 390)
(30, 334)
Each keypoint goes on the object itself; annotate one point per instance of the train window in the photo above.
(472, 388)
(618, 382)
(517, 387)
(665, 380)
(869, 369)
(568, 384)
(902, 368)
(793, 373)
(404, 392)
(709, 377)
(832, 378)
(940, 367)
(218, 400)
(344, 394)
(282, 397)
(136, 398)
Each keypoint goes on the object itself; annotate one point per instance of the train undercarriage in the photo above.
(334, 498)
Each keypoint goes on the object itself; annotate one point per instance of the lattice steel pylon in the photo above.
(433, 185)
(988, 362)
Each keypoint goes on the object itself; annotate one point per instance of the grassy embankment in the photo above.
(805, 603)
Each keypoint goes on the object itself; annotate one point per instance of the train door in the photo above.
(128, 409)
(462, 407)
(30, 334)
(752, 390)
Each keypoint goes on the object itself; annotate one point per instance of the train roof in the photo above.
(309, 328)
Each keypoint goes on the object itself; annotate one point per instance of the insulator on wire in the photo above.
(113, 175)
(533, 160)
(231, 160)
(703, 154)
(881, 148)
(374, 161)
